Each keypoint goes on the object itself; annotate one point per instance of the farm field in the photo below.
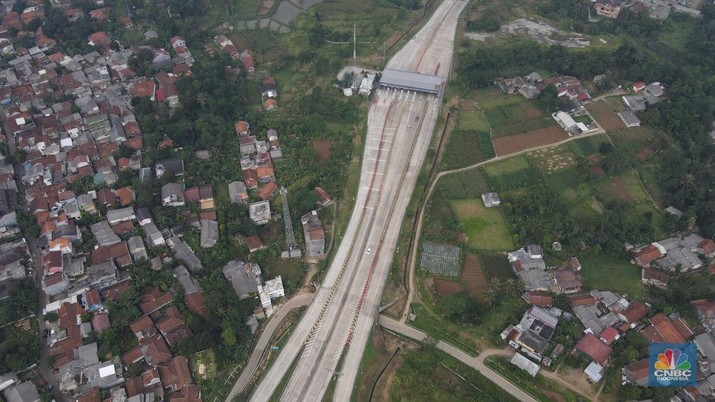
(467, 184)
(605, 114)
(513, 114)
(510, 174)
(471, 120)
(613, 273)
(473, 276)
(465, 148)
(485, 228)
(443, 287)
(588, 145)
(515, 143)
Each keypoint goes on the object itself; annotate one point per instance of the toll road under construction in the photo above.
(405, 80)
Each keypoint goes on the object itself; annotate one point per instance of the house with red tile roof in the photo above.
(268, 190)
(119, 252)
(646, 255)
(143, 327)
(154, 299)
(100, 322)
(567, 280)
(147, 383)
(664, 329)
(584, 299)
(113, 292)
(100, 14)
(254, 243)
(190, 393)
(173, 327)
(706, 312)
(538, 298)
(91, 300)
(191, 194)
(153, 350)
(196, 303)
(706, 248)
(52, 262)
(609, 335)
(143, 88)
(654, 277)
(125, 195)
(594, 348)
(242, 127)
(175, 374)
(106, 197)
(637, 372)
(633, 313)
(99, 39)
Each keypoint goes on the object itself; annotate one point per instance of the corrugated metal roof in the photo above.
(411, 81)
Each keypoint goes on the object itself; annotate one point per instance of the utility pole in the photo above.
(354, 46)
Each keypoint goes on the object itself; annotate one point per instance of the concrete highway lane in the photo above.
(336, 326)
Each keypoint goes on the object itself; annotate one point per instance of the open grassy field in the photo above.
(468, 184)
(613, 273)
(289, 270)
(510, 165)
(539, 387)
(431, 375)
(633, 186)
(471, 120)
(485, 228)
(588, 145)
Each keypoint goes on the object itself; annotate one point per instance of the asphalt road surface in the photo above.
(477, 364)
(329, 341)
(263, 341)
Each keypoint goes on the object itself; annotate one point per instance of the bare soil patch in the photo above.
(240, 43)
(620, 186)
(467, 106)
(532, 112)
(606, 116)
(597, 171)
(530, 139)
(473, 276)
(322, 149)
(643, 154)
(443, 287)
(266, 6)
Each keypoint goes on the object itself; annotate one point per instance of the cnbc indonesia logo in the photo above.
(672, 365)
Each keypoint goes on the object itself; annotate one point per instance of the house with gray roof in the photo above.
(120, 215)
(185, 281)
(533, 333)
(172, 194)
(104, 234)
(184, 253)
(143, 216)
(153, 235)
(237, 192)
(528, 263)
(170, 166)
(244, 277)
(137, 248)
(209, 233)
(23, 392)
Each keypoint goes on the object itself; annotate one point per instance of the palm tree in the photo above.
(201, 99)
(490, 295)
(511, 286)
(496, 284)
